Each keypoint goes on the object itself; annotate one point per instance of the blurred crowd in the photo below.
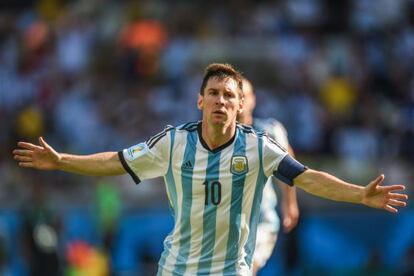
(94, 75)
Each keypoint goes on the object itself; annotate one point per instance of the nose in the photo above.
(220, 100)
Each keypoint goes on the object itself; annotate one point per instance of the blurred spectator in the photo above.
(84, 259)
(75, 39)
(141, 43)
(108, 204)
(338, 96)
(41, 234)
(30, 123)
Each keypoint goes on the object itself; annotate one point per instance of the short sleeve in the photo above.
(278, 133)
(279, 163)
(149, 159)
(273, 153)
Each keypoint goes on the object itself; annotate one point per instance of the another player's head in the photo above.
(249, 102)
(221, 94)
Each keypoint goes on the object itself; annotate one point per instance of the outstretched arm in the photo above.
(44, 157)
(373, 195)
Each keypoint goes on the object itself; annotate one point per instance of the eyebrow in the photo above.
(225, 90)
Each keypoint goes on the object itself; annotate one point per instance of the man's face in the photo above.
(221, 101)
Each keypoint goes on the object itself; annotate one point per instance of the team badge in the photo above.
(136, 151)
(239, 165)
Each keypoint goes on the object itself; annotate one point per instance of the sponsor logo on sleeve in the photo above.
(136, 151)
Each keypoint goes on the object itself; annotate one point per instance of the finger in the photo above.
(396, 202)
(23, 158)
(287, 222)
(394, 188)
(26, 164)
(28, 146)
(377, 181)
(288, 225)
(398, 196)
(23, 152)
(287, 229)
(43, 143)
(390, 209)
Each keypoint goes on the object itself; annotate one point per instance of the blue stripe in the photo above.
(172, 194)
(209, 217)
(254, 217)
(189, 126)
(187, 183)
(235, 210)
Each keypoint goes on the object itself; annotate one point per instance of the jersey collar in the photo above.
(204, 144)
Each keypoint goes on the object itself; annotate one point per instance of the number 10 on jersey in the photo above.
(212, 192)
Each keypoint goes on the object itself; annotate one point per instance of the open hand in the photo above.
(42, 156)
(383, 197)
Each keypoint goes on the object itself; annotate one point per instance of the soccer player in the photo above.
(214, 171)
(268, 227)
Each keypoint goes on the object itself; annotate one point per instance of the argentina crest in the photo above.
(239, 165)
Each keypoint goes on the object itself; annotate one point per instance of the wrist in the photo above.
(361, 196)
(61, 159)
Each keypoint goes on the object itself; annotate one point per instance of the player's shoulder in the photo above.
(159, 136)
(188, 127)
(270, 129)
(268, 123)
(249, 130)
(271, 126)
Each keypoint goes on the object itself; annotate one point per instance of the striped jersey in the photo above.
(215, 195)
(276, 131)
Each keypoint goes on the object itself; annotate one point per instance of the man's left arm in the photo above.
(373, 195)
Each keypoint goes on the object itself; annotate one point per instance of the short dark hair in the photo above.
(221, 71)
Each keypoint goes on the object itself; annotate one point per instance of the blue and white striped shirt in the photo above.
(215, 195)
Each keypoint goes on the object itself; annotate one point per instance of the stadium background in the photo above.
(102, 75)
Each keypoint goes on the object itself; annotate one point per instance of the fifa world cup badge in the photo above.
(136, 151)
(239, 165)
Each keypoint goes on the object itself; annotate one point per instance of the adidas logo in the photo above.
(187, 166)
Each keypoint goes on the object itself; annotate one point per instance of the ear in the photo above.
(200, 102)
(241, 105)
(254, 101)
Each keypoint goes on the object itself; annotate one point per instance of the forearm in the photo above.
(328, 186)
(288, 194)
(98, 164)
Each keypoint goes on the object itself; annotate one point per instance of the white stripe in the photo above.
(248, 194)
(197, 210)
(176, 161)
(223, 212)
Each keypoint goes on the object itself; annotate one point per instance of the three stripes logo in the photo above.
(154, 139)
(187, 166)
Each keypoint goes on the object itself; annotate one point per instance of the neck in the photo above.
(216, 136)
(246, 119)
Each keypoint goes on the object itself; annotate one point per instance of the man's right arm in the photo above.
(44, 157)
(98, 164)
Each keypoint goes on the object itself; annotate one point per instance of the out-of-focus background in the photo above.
(97, 75)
